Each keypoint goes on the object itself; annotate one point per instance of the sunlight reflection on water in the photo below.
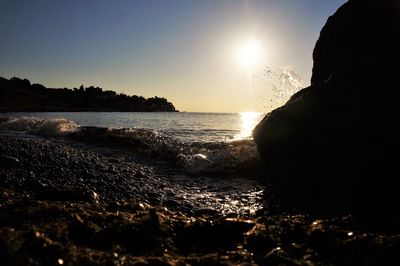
(186, 127)
(239, 196)
(248, 121)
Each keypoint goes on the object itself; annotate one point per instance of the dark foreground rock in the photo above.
(332, 147)
(43, 232)
(360, 32)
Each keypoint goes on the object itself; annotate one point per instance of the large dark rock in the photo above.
(333, 147)
(360, 32)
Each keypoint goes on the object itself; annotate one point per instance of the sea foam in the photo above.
(195, 158)
(39, 126)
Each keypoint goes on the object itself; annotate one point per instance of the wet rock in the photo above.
(7, 161)
(143, 235)
(67, 195)
(4, 119)
(206, 212)
(210, 236)
(322, 239)
(38, 244)
(329, 149)
(8, 256)
(259, 241)
(277, 257)
(171, 204)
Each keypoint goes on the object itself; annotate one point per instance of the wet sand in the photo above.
(70, 203)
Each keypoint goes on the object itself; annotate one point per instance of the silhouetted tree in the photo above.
(21, 82)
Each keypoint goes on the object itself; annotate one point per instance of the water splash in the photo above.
(36, 125)
(273, 86)
(285, 82)
(224, 196)
(221, 158)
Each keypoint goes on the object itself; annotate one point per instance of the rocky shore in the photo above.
(69, 203)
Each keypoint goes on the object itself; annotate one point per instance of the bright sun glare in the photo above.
(248, 121)
(249, 53)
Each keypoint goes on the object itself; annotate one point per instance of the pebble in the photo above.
(8, 160)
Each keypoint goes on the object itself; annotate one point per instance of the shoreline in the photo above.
(82, 204)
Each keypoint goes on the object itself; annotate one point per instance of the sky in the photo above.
(196, 53)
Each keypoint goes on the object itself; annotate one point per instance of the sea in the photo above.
(182, 126)
(202, 142)
(213, 154)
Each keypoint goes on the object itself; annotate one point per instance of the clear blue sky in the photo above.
(182, 50)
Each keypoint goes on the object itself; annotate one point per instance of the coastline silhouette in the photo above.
(19, 95)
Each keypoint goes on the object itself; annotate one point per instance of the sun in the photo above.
(249, 53)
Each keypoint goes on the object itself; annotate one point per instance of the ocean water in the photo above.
(200, 143)
(185, 126)
(212, 155)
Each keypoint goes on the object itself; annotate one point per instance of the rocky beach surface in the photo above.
(73, 203)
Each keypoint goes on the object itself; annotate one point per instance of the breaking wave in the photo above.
(195, 158)
(39, 126)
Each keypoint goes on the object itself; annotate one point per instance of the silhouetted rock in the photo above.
(360, 32)
(331, 147)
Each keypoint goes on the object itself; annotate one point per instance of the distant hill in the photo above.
(18, 95)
